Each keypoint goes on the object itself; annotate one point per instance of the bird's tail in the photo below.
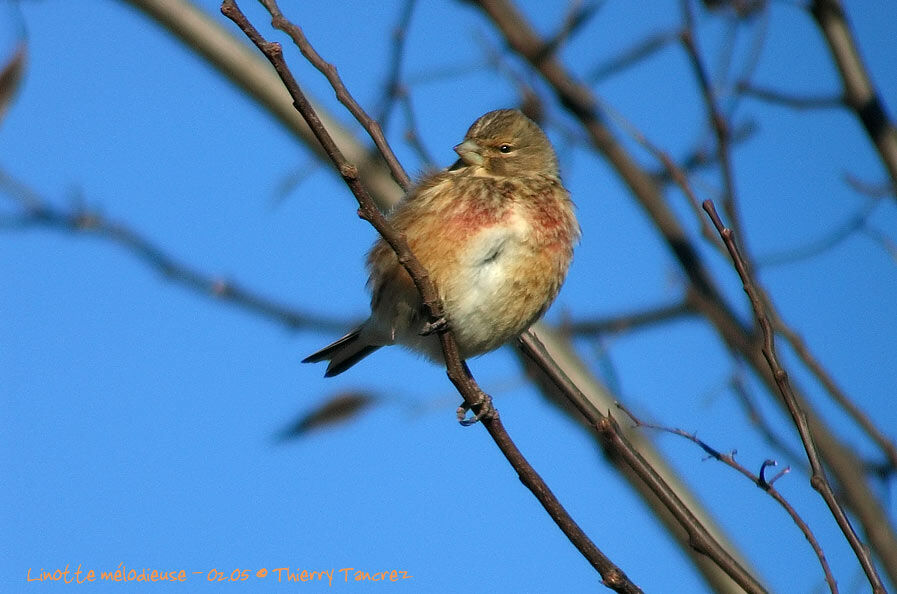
(343, 353)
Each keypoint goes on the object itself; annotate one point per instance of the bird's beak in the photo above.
(470, 152)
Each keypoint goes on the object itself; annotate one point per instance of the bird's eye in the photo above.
(505, 148)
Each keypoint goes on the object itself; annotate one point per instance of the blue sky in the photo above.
(140, 417)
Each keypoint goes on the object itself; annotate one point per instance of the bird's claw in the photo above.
(434, 326)
(485, 411)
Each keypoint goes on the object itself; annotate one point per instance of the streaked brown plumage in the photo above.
(495, 231)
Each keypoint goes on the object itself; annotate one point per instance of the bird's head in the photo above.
(507, 143)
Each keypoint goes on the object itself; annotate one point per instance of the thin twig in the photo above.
(756, 417)
(853, 224)
(449, 71)
(759, 21)
(838, 395)
(392, 89)
(747, 89)
(700, 157)
(675, 172)
(559, 349)
(204, 35)
(818, 479)
(578, 15)
(329, 71)
(882, 239)
(38, 212)
(531, 103)
(475, 398)
(859, 92)
(632, 56)
(395, 92)
(718, 121)
(759, 480)
(869, 189)
(412, 136)
(700, 538)
(630, 321)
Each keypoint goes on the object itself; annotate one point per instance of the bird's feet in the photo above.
(482, 408)
(434, 326)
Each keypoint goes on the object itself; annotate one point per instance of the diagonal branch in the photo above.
(556, 351)
(747, 89)
(718, 121)
(612, 576)
(38, 212)
(699, 537)
(818, 479)
(759, 480)
(342, 93)
(859, 92)
(631, 321)
(254, 75)
(522, 39)
(392, 85)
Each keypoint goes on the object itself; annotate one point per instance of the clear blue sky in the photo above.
(140, 418)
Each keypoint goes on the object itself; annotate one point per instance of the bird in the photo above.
(495, 231)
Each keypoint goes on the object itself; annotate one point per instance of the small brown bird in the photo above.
(495, 231)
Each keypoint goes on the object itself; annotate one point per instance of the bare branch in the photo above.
(756, 417)
(581, 103)
(579, 13)
(699, 537)
(838, 395)
(560, 351)
(11, 77)
(254, 76)
(38, 212)
(859, 92)
(700, 157)
(329, 71)
(718, 120)
(394, 91)
(829, 240)
(818, 479)
(794, 101)
(392, 87)
(879, 237)
(632, 56)
(674, 172)
(758, 480)
(869, 189)
(473, 396)
(411, 130)
(631, 321)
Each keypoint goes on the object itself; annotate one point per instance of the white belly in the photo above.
(486, 277)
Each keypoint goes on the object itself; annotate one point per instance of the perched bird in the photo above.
(495, 231)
